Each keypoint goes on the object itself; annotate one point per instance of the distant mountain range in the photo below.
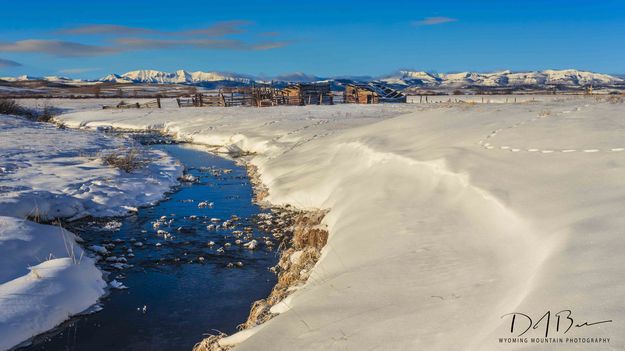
(569, 77)
(403, 79)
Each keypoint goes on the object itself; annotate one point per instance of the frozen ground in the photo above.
(48, 173)
(444, 217)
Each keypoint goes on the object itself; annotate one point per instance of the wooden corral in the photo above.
(150, 104)
(262, 96)
(360, 94)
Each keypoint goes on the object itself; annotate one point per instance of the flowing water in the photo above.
(179, 287)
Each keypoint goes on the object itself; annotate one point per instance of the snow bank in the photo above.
(44, 278)
(48, 172)
(443, 219)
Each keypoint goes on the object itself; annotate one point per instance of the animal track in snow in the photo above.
(489, 146)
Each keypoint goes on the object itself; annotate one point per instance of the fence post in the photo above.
(158, 102)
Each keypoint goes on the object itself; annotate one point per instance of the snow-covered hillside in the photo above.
(570, 77)
(443, 218)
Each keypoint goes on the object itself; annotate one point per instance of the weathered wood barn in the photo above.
(309, 94)
(360, 94)
(371, 93)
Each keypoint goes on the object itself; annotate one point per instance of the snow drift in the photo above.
(44, 279)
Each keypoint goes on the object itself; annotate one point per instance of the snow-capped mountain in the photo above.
(569, 77)
(403, 79)
(25, 78)
(178, 77)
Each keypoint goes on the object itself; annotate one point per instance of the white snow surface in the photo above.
(44, 278)
(443, 217)
(50, 173)
(47, 173)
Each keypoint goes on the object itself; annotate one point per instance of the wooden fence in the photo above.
(122, 104)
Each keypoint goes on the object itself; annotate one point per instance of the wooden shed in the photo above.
(360, 94)
(309, 93)
(371, 93)
(292, 96)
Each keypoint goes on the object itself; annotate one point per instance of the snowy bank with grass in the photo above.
(48, 173)
(444, 218)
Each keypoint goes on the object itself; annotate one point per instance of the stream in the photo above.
(179, 284)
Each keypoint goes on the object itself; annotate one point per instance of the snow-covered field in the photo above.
(444, 218)
(48, 173)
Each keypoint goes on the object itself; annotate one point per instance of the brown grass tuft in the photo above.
(259, 314)
(126, 159)
(211, 343)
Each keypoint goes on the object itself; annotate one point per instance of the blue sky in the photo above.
(89, 39)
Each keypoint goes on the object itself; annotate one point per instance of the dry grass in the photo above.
(544, 113)
(10, 107)
(126, 159)
(308, 233)
(211, 343)
(258, 314)
(616, 99)
(308, 238)
(46, 114)
(311, 237)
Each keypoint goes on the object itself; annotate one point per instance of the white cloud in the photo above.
(430, 21)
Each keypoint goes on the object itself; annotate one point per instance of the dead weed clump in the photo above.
(308, 232)
(10, 107)
(211, 343)
(126, 159)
